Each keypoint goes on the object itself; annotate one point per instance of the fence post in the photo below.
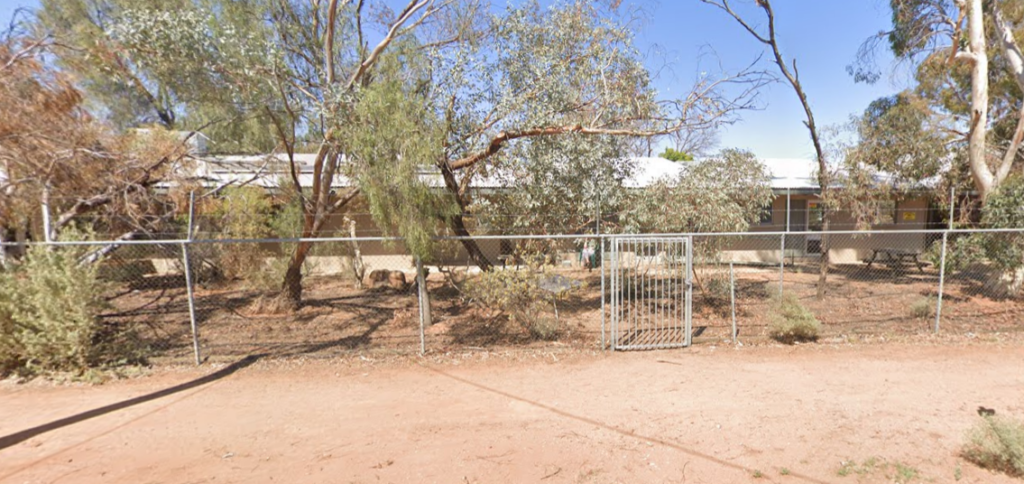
(732, 299)
(188, 278)
(600, 241)
(424, 302)
(688, 320)
(782, 263)
(191, 302)
(942, 280)
(615, 296)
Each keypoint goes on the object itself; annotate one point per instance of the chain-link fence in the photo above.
(198, 299)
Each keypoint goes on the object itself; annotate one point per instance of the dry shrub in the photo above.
(518, 295)
(789, 321)
(49, 308)
(997, 443)
(923, 308)
(271, 305)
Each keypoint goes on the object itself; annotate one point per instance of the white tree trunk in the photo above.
(984, 179)
(1015, 65)
(358, 268)
(45, 207)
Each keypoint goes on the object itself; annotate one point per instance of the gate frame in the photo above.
(616, 298)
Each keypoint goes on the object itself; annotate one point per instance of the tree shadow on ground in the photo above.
(21, 436)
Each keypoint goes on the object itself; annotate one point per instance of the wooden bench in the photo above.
(896, 258)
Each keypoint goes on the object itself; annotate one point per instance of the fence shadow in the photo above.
(18, 437)
(609, 427)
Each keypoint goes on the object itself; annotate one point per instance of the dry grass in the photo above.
(997, 443)
(790, 322)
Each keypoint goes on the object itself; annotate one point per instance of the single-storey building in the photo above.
(795, 208)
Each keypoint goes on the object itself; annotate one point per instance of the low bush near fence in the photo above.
(524, 296)
(997, 442)
(923, 308)
(49, 307)
(789, 321)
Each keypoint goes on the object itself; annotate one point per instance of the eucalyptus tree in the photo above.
(791, 74)
(383, 96)
(572, 72)
(181, 64)
(723, 193)
(556, 186)
(894, 149)
(971, 68)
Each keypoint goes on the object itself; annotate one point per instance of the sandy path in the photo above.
(697, 415)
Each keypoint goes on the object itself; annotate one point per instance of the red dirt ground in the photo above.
(706, 414)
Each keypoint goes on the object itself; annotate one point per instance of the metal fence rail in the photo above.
(195, 299)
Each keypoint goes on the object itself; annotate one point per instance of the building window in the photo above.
(766, 215)
(886, 212)
(815, 220)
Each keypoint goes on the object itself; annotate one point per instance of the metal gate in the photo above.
(651, 292)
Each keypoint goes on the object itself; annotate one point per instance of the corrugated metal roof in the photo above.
(787, 173)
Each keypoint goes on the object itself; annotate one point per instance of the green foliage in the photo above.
(789, 321)
(393, 139)
(49, 308)
(243, 213)
(10, 346)
(898, 135)
(1003, 210)
(545, 66)
(556, 185)
(517, 294)
(1004, 250)
(865, 468)
(905, 473)
(186, 64)
(714, 285)
(723, 194)
(726, 193)
(997, 443)
(962, 250)
(251, 213)
(923, 308)
(890, 152)
(674, 155)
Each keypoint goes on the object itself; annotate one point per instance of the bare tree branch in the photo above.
(407, 13)
(794, 80)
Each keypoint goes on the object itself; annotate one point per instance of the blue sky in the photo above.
(823, 35)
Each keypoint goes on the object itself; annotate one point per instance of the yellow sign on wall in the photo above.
(909, 215)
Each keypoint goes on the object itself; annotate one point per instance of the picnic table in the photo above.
(896, 257)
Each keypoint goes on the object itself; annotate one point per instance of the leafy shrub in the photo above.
(1002, 210)
(1004, 251)
(789, 321)
(676, 155)
(923, 308)
(961, 251)
(716, 288)
(545, 328)
(516, 294)
(997, 443)
(48, 316)
(10, 349)
(243, 213)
